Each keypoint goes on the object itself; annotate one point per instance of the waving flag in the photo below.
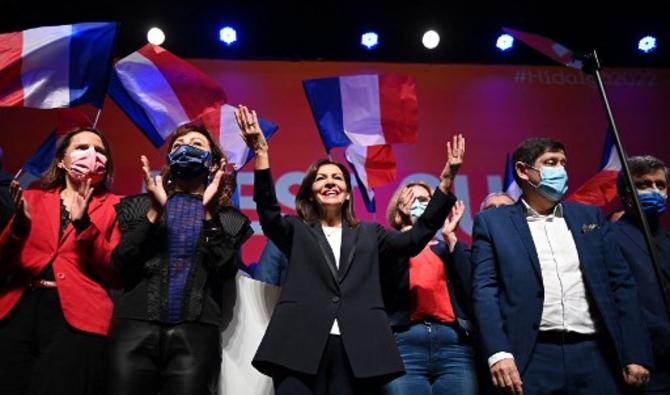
(364, 109)
(510, 186)
(373, 166)
(67, 119)
(600, 190)
(56, 66)
(160, 91)
(547, 46)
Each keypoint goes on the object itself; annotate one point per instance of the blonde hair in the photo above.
(393, 212)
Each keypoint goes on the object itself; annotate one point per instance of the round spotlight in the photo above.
(647, 44)
(155, 36)
(370, 40)
(430, 39)
(228, 35)
(505, 42)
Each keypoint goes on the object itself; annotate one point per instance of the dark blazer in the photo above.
(141, 259)
(395, 284)
(508, 291)
(316, 292)
(635, 252)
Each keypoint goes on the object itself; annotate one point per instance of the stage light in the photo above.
(155, 36)
(228, 35)
(505, 42)
(370, 40)
(430, 39)
(647, 44)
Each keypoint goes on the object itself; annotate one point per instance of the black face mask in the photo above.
(188, 161)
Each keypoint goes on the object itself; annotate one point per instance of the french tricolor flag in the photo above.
(600, 190)
(364, 109)
(160, 91)
(373, 166)
(56, 66)
(547, 46)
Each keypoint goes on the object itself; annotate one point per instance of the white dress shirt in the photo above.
(566, 305)
(334, 237)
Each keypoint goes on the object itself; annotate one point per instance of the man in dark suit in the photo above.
(556, 305)
(651, 181)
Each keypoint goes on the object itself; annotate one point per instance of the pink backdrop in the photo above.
(495, 107)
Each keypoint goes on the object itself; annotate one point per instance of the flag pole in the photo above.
(593, 66)
(97, 117)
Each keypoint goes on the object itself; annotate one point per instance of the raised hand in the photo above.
(451, 223)
(455, 155)
(22, 220)
(252, 134)
(210, 198)
(405, 201)
(78, 202)
(153, 185)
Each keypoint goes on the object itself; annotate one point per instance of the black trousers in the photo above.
(334, 376)
(41, 354)
(148, 358)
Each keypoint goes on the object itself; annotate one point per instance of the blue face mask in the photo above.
(653, 203)
(417, 209)
(188, 161)
(553, 182)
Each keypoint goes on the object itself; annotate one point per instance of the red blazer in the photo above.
(81, 263)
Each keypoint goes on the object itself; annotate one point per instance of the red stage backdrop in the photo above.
(495, 107)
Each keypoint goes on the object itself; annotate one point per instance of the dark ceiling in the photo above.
(301, 30)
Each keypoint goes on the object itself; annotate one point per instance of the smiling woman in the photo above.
(329, 333)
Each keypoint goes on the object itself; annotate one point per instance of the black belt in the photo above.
(563, 337)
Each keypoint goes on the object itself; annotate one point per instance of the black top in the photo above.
(141, 258)
(317, 292)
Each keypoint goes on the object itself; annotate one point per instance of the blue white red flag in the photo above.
(600, 190)
(373, 166)
(56, 66)
(160, 91)
(364, 110)
(547, 46)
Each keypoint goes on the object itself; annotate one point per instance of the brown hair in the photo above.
(393, 211)
(54, 176)
(217, 154)
(307, 207)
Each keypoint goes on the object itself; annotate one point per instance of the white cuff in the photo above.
(499, 356)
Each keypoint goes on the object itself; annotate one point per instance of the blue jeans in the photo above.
(438, 361)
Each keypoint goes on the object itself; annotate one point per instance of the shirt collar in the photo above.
(531, 213)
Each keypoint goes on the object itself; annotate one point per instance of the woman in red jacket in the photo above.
(55, 271)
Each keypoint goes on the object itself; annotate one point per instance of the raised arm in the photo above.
(414, 240)
(274, 225)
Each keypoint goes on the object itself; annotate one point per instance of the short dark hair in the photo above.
(308, 208)
(639, 166)
(54, 176)
(531, 149)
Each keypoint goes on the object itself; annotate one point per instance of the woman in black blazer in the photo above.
(329, 333)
